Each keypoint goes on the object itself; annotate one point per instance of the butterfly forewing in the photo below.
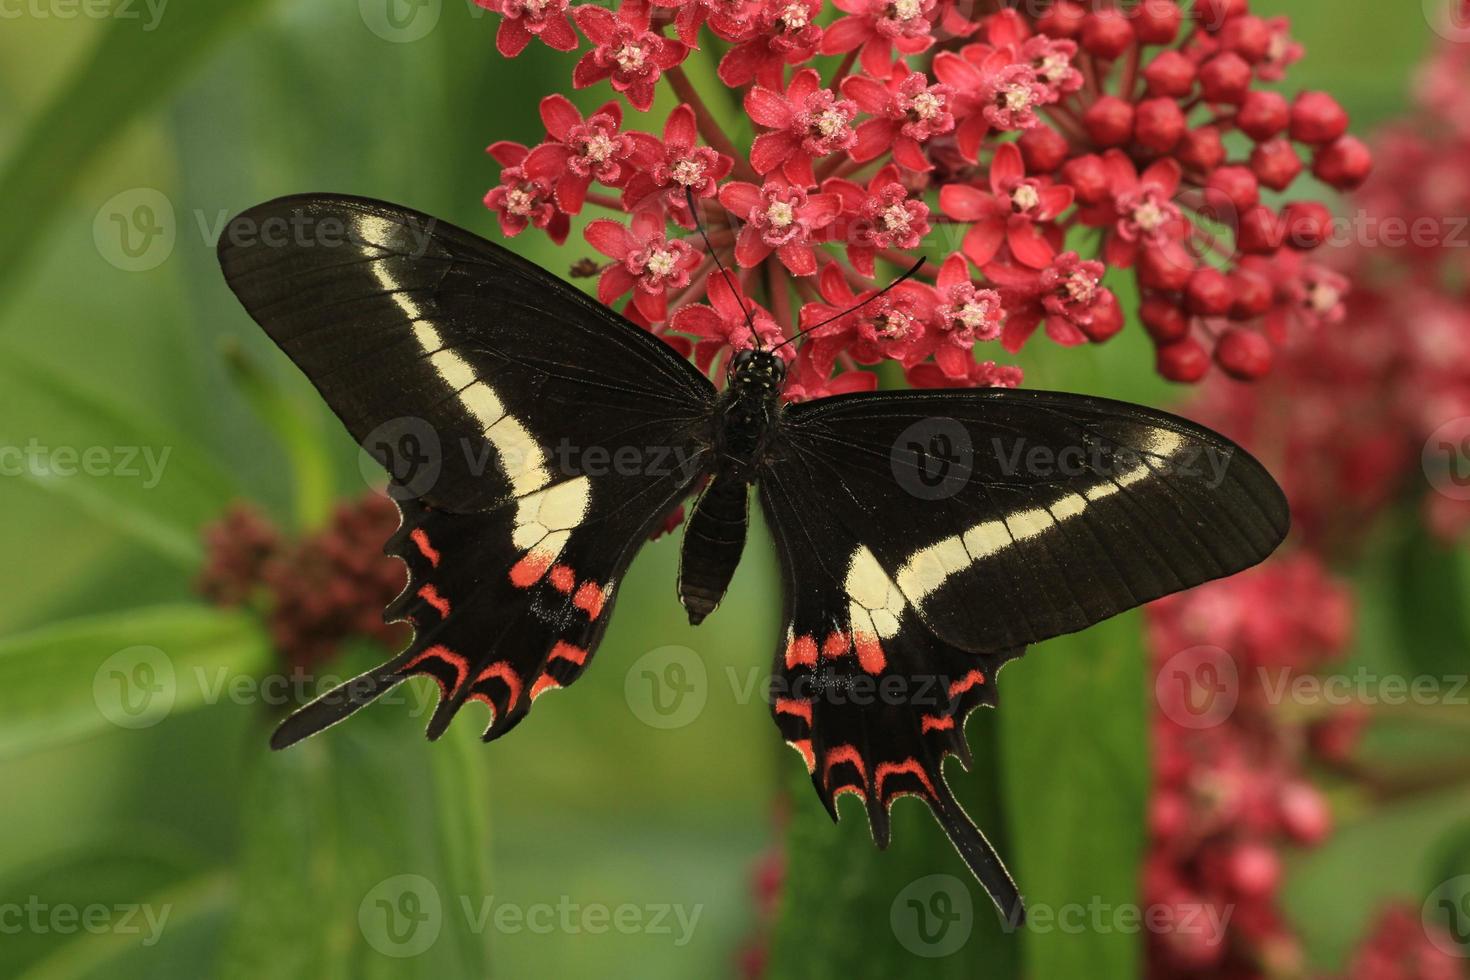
(534, 436)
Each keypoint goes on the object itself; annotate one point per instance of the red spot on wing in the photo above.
(563, 579)
(795, 707)
(870, 653)
(444, 655)
(804, 746)
(565, 651)
(962, 685)
(801, 651)
(843, 754)
(543, 683)
(528, 571)
(506, 674)
(835, 645)
(909, 766)
(421, 538)
(431, 595)
(937, 723)
(589, 599)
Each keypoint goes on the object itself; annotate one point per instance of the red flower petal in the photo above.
(799, 259)
(846, 35)
(873, 137)
(798, 169)
(770, 150)
(679, 131)
(610, 238)
(558, 34)
(1028, 245)
(983, 241)
(740, 197)
(512, 37)
(870, 96)
(906, 151)
(571, 192)
(655, 306)
(699, 320)
(597, 23)
(613, 283)
(965, 203)
(1006, 167)
(1018, 329)
(559, 116)
(750, 248)
(821, 210)
(768, 108)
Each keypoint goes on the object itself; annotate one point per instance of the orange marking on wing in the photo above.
(937, 723)
(840, 754)
(444, 654)
(507, 675)
(804, 746)
(431, 595)
(565, 651)
(421, 538)
(870, 653)
(795, 707)
(543, 683)
(835, 645)
(528, 571)
(910, 766)
(965, 683)
(589, 599)
(801, 651)
(563, 579)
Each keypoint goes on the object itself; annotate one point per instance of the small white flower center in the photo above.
(926, 105)
(795, 17)
(906, 9)
(1080, 287)
(630, 57)
(894, 324)
(1025, 197)
(829, 123)
(1053, 67)
(973, 314)
(896, 218)
(598, 148)
(688, 171)
(520, 202)
(661, 263)
(1016, 98)
(780, 214)
(1149, 216)
(1323, 298)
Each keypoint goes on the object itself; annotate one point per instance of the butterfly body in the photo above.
(925, 538)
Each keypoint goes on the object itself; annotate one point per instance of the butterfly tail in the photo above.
(339, 702)
(982, 859)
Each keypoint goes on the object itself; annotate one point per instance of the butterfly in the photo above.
(535, 438)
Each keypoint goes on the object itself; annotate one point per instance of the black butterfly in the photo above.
(536, 438)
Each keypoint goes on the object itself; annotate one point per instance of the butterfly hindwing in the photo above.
(535, 438)
(927, 538)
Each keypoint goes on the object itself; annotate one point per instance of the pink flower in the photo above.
(646, 262)
(625, 51)
(727, 18)
(525, 19)
(880, 216)
(580, 151)
(992, 91)
(1015, 213)
(892, 326)
(785, 33)
(1052, 62)
(523, 200)
(978, 374)
(722, 325)
(1067, 296)
(877, 27)
(670, 165)
(907, 112)
(962, 316)
(810, 380)
(807, 122)
(1141, 211)
(779, 218)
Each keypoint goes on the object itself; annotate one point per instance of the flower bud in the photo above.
(1308, 224)
(1157, 21)
(1238, 185)
(1043, 149)
(1107, 33)
(1109, 121)
(1208, 292)
(1345, 164)
(1276, 164)
(1171, 74)
(1201, 149)
(1225, 78)
(1088, 177)
(1263, 115)
(1261, 232)
(1243, 354)
(1163, 319)
(1159, 124)
(1184, 361)
(1316, 118)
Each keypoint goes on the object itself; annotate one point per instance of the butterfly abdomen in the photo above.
(713, 541)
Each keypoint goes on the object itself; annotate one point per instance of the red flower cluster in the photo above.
(1399, 948)
(1402, 349)
(1035, 150)
(1230, 786)
(316, 592)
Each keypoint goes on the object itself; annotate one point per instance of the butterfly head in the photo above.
(758, 370)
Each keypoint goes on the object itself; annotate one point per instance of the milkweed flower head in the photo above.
(1031, 157)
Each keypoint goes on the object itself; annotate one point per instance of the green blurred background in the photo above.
(113, 336)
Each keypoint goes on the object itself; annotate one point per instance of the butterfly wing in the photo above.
(534, 437)
(927, 537)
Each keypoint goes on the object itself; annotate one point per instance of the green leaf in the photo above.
(365, 855)
(124, 671)
(138, 476)
(1428, 585)
(850, 911)
(1074, 742)
(136, 63)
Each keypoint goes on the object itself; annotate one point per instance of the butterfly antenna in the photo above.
(729, 279)
(838, 316)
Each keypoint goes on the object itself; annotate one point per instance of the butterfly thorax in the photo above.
(745, 417)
